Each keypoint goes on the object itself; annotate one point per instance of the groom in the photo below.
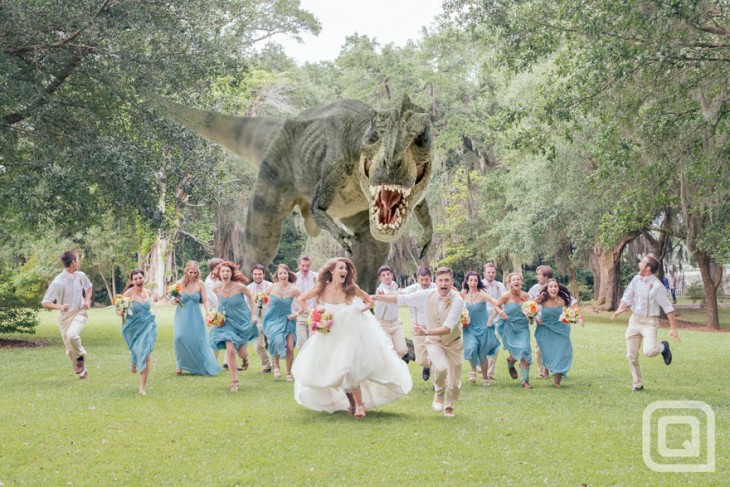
(70, 293)
(442, 332)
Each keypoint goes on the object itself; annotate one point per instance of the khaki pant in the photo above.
(446, 363)
(419, 348)
(261, 345)
(641, 328)
(394, 330)
(303, 331)
(492, 361)
(71, 324)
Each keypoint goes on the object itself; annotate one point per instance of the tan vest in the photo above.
(434, 319)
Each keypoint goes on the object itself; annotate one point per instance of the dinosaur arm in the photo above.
(424, 218)
(324, 195)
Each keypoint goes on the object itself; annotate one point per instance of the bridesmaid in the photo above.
(235, 301)
(552, 335)
(514, 328)
(479, 338)
(140, 329)
(192, 351)
(280, 324)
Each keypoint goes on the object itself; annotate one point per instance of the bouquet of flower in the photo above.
(320, 321)
(464, 317)
(570, 315)
(174, 292)
(122, 303)
(261, 299)
(529, 308)
(216, 318)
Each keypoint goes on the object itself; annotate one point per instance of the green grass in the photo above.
(191, 430)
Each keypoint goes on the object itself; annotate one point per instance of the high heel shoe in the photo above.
(234, 386)
(360, 411)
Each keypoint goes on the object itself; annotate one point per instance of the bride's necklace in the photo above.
(472, 296)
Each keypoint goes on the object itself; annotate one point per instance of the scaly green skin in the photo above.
(352, 170)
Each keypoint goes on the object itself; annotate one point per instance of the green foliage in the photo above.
(695, 292)
(17, 313)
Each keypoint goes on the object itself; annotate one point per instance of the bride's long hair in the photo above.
(325, 277)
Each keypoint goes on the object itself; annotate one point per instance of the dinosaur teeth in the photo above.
(407, 192)
(373, 191)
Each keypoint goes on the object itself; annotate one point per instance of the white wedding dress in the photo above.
(356, 352)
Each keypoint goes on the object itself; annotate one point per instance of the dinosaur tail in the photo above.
(246, 136)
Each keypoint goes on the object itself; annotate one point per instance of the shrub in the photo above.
(695, 292)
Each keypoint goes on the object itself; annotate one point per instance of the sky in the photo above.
(388, 21)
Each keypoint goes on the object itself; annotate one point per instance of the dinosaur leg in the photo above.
(424, 218)
(368, 254)
(267, 210)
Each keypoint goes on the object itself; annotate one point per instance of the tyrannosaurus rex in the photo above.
(352, 170)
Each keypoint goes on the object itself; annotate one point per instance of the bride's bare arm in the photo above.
(302, 301)
(365, 297)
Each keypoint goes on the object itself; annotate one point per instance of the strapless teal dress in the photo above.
(192, 351)
(140, 333)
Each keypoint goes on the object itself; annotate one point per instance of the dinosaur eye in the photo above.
(372, 137)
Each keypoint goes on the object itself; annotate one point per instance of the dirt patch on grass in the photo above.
(25, 342)
(690, 325)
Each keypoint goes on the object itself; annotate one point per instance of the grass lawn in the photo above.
(57, 430)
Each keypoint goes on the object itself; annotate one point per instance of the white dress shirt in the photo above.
(304, 284)
(212, 297)
(495, 289)
(67, 288)
(418, 299)
(386, 311)
(645, 295)
(417, 313)
(535, 290)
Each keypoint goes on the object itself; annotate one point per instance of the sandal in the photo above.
(277, 373)
(449, 412)
(133, 369)
(289, 378)
(178, 371)
(472, 377)
(486, 382)
(142, 392)
(234, 386)
(526, 384)
(360, 411)
(511, 368)
(244, 364)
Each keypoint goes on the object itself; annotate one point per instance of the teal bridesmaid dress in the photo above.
(479, 339)
(238, 328)
(515, 332)
(277, 326)
(192, 351)
(553, 337)
(140, 333)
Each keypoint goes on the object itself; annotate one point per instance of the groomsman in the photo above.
(495, 289)
(645, 294)
(306, 280)
(210, 283)
(260, 285)
(387, 314)
(442, 332)
(544, 274)
(418, 317)
(70, 293)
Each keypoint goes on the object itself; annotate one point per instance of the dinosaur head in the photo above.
(395, 166)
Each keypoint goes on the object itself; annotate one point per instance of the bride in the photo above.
(353, 366)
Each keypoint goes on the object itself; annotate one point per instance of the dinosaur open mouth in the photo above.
(390, 205)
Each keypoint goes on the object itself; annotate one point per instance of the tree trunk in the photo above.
(711, 274)
(114, 279)
(106, 286)
(574, 287)
(609, 263)
(596, 270)
(160, 266)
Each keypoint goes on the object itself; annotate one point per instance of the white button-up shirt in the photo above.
(418, 300)
(386, 311)
(67, 288)
(212, 297)
(304, 284)
(495, 289)
(645, 295)
(417, 313)
(535, 290)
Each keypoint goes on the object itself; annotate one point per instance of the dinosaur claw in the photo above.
(424, 249)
